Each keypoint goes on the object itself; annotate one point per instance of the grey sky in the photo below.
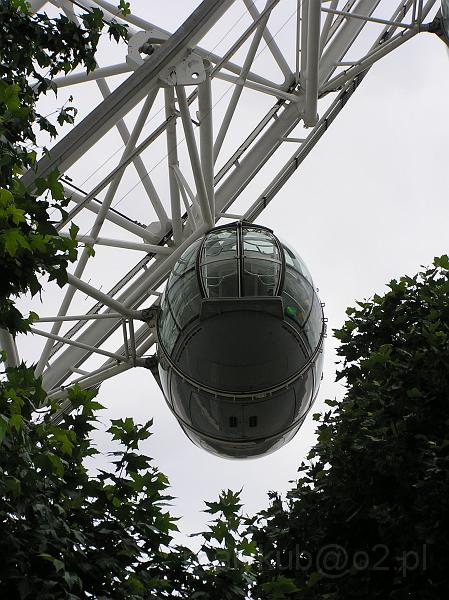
(368, 204)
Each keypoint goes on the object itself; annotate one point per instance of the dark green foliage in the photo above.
(367, 519)
(369, 516)
(65, 533)
(33, 50)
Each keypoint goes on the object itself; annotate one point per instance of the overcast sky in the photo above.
(368, 204)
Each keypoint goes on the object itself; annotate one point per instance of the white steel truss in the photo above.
(189, 148)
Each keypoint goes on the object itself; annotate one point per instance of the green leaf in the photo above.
(3, 427)
(6, 197)
(22, 5)
(56, 463)
(16, 422)
(124, 8)
(58, 564)
(13, 239)
(331, 403)
(13, 486)
(10, 97)
(55, 186)
(314, 579)
(441, 261)
(280, 588)
(73, 231)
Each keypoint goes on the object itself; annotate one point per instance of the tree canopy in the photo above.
(33, 50)
(65, 532)
(368, 515)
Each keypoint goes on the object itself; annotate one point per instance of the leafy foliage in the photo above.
(366, 518)
(33, 50)
(65, 533)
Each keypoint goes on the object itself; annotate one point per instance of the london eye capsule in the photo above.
(240, 339)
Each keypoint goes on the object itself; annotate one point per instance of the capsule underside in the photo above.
(240, 336)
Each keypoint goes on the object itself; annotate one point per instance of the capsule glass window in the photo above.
(314, 325)
(220, 279)
(298, 296)
(260, 277)
(218, 264)
(184, 298)
(258, 243)
(293, 260)
(168, 330)
(219, 245)
(187, 260)
(261, 263)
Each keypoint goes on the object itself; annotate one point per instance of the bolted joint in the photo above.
(150, 362)
(149, 315)
(190, 70)
(435, 26)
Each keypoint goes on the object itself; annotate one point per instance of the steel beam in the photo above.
(77, 344)
(128, 245)
(164, 34)
(239, 85)
(8, 345)
(200, 183)
(66, 152)
(98, 331)
(206, 137)
(36, 5)
(113, 217)
(313, 55)
(172, 161)
(240, 170)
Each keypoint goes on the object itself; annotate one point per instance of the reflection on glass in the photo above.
(187, 260)
(295, 261)
(219, 245)
(298, 296)
(184, 298)
(220, 279)
(303, 394)
(181, 300)
(168, 330)
(260, 277)
(259, 243)
(314, 324)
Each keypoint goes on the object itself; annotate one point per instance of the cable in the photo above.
(161, 109)
(214, 105)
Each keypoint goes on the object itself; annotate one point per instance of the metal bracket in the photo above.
(189, 71)
(149, 315)
(141, 43)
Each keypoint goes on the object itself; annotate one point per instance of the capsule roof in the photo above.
(235, 261)
(240, 260)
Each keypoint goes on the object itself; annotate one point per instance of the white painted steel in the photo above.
(240, 82)
(126, 96)
(8, 345)
(313, 54)
(195, 161)
(100, 241)
(77, 344)
(172, 159)
(206, 136)
(293, 91)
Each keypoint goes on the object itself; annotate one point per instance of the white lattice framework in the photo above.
(183, 138)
